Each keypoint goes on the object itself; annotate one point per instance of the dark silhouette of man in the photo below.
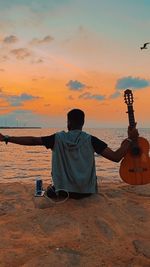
(73, 161)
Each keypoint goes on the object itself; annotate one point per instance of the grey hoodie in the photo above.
(73, 162)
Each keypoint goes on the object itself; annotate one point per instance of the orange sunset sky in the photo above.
(62, 54)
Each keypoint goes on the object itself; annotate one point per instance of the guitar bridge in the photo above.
(138, 169)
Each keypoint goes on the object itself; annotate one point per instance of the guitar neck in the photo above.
(131, 116)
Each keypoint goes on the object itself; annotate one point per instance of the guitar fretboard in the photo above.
(131, 116)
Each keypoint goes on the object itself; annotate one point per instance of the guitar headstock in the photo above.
(128, 97)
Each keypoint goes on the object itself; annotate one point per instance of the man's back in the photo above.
(73, 163)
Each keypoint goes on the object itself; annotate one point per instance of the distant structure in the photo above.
(20, 127)
(144, 46)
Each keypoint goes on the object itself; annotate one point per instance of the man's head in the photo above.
(75, 119)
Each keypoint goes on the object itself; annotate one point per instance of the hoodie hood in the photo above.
(73, 139)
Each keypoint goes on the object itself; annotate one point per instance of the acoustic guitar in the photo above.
(135, 166)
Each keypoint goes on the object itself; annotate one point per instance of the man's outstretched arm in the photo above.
(123, 149)
(22, 140)
(117, 155)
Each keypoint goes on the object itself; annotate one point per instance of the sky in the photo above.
(56, 55)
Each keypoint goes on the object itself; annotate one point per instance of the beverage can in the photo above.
(38, 187)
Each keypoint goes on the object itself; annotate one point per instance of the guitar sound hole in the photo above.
(135, 150)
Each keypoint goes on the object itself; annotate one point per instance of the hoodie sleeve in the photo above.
(98, 144)
(48, 141)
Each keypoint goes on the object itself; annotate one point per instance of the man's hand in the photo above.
(132, 133)
(22, 140)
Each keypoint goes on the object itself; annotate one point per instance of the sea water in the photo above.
(25, 163)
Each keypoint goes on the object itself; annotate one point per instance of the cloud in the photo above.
(10, 39)
(16, 100)
(21, 53)
(25, 96)
(131, 82)
(37, 78)
(2, 70)
(45, 40)
(37, 61)
(3, 58)
(75, 85)
(88, 95)
(115, 95)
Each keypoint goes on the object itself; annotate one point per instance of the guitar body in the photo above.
(135, 167)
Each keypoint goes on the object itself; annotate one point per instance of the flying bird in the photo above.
(144, 46)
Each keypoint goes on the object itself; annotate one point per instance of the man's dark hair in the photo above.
(76, 117)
